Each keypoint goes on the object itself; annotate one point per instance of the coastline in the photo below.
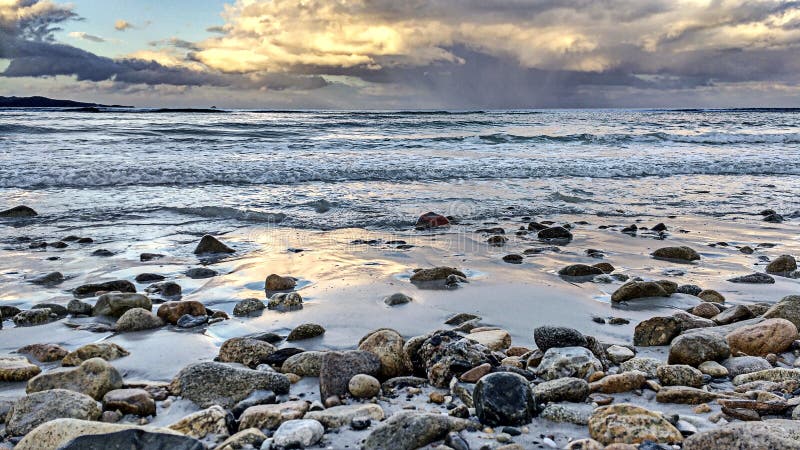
(343, 276)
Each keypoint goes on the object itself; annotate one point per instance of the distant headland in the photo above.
(44, 102)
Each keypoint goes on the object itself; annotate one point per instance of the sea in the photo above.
(380, 169)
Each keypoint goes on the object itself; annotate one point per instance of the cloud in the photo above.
(456, 53)
(26, 39)
(122, 25)
(85, 36)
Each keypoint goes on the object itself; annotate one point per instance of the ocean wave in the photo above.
(224, 212)
(413, 171)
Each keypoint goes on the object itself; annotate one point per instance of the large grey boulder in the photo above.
(213, 383)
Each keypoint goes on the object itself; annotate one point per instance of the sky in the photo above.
(411, 54)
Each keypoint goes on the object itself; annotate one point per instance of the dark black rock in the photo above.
(210, 245)
(554, 233)
(547, 337)
(659, 227)
(133, 439)
(189, 321)
(84, 240)
(773, 218)
(148, 277)
(360, 424)
(103, 253)
(87, 290)
(281, 355)
(165, 289)
(200, 272)
(579, 270)
(689, 289)
(753, 278)
(504, 398)
(259, 397)
(272, 338)
(513, 259)
(18, 211)
(150, 256)
(58, 244)
(50, 279)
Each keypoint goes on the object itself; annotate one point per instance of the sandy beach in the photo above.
(345, 275)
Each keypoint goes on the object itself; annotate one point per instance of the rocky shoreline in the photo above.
(711, 374)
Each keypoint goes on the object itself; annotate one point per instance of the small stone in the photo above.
(209, 244)
(513, 258)
(210, 421)
(782, 265)
(337, 368)
(629, 424)
(272, 416)
(618, 354)
(388, 346)
(496, 340)
(364, 386)
(504, 398)
(130, 401)
(689, 289)
(713, 369)
(166, 289)
(45, 352)
(108, 351)
(114, 304)
(547, 337)
(476, 373)
(568, 362)
(431, 220)
(87, 290)
(760, 339)
(299, 433)
(638, 289)
(340, 416)
(285, 301)
(148, 277)
(567, 389)
(305, 331)
(138, 319)
(200, 273)
(39, 407)
(247, 351)
(79, 308)
(706, 310)
(656, 331)
(246, 438)
(397, 299)
(642, 364)
(50, 279)
(622, 382)
(710, 295)
(276, 282)
(435, 274)
(745, 364)
(580, 270)
(679, 375)
(698, 347)
(94, 377)
(681, 253)
(171, 312)
(754, 278)
(33, 317)
(18, 212)
(17, 368)
(554, 234)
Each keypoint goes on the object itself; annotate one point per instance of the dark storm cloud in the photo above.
(26, 40)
